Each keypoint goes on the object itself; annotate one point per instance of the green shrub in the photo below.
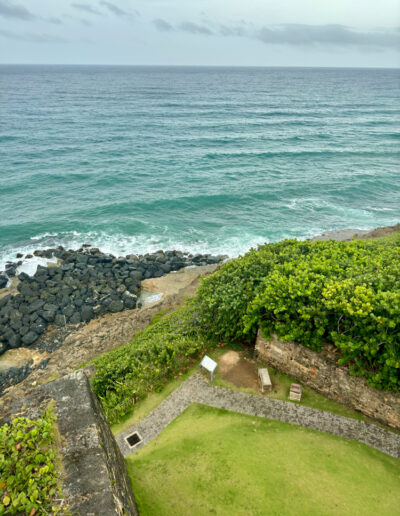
(344, 293)
(29, 481)
(161, 350)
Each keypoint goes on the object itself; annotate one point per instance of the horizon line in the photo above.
(205, 66)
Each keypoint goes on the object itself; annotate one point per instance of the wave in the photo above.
(121, 244)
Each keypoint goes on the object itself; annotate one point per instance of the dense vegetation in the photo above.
(162, 350)
(346, 294)
(343, 293)
(28, 476)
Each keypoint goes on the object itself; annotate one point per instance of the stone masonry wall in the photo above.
(95, 480)
(321, 372)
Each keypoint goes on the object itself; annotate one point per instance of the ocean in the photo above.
(136, 159)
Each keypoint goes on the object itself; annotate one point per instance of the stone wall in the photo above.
(95, 479)
(321, 372)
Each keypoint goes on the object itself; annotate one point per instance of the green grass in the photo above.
(211, 461)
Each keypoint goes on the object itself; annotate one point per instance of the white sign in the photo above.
(209, 364)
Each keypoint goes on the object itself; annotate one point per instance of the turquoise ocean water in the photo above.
(134, 159)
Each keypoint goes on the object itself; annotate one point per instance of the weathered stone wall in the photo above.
(95, 479)
(321, 372)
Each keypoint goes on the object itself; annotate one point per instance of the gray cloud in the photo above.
(194, 28)
(32, 38)
(233, 31)
(114, 8)
(296, 34)
(163, 25)
(55, 21)
(9, 10)
(87, 8)
(337, 35)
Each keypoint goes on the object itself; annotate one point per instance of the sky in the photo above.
(354, 33)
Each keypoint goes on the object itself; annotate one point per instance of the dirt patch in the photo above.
(240, 371)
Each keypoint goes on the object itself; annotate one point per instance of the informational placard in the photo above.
(208, 364)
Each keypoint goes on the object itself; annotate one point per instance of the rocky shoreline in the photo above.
(53, 309)
(82, 284)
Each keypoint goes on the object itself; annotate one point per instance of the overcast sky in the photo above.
(201, 32)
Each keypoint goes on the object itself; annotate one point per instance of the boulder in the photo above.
(24, 277)
(116, 305)
(86, 313)
(75, 318)
(60, 320)
(14, 340)
(3, 280)
(136, 275)
(36, 305)
(68, 311)
(30, 337)
(48, 315)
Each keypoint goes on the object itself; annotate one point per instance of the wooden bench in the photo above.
(295, 392)
(265, 379)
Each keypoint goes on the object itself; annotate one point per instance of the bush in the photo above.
(126, 374)
(28, 477)
(344, 293)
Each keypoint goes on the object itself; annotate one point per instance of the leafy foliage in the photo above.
(343, 293)
(29, 481)
(161, 350)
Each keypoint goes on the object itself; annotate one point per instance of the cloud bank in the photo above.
(9, 10)
(294, 34)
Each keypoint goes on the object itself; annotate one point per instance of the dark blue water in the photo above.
(132, 159)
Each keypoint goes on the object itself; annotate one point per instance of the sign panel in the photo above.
(209, 364)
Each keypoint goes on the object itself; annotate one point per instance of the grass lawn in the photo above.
(211, 461)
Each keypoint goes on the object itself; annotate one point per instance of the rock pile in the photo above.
(85, 283)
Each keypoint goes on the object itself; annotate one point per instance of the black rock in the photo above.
(14, 316)
(68, 310)
(4, 300)
(166, 268)
(14, 340)
(130, 302)
(75, 318)
(24, 330)
(116, 305)
(39, 326)
(48, 315)
(86, 313)
(11, 269)
(49, 307)
(30, 337)
(24, 277)
(3, 280)
(36, 305)
(60, 320)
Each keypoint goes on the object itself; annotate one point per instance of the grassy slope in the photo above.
(210, 461)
